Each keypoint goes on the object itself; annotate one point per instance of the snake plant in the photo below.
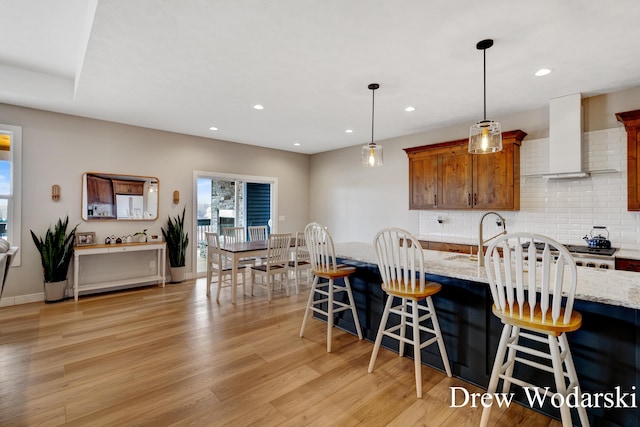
(56, 250)
(177, 240)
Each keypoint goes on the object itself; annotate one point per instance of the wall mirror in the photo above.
(119, 197)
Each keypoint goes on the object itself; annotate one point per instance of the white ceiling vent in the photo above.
(565, 138)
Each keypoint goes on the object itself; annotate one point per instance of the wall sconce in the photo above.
(176, 197)
(55, 192)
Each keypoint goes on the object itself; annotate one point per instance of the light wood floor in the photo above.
(171, 356)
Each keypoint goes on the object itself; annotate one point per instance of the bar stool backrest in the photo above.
(400, 260)
(320, 247)
(521, 288)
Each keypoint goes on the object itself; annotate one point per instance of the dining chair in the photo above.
(219, 265)
(257, 232)
(275, 264)
(325, 267)
(301, 260)
(401, 263)
(235, 235)
(527, 298)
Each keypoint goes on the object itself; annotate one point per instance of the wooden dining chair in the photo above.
(275, 264)
(336, 279)
(218, 266)
(301, 260)
(258, 232)
(235, 235)
(401, 263)
(527, 298)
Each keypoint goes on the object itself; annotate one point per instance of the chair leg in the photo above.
(438, 332)
(417, 359)
(573, 376)
(309, 304)
(495, 372)
(352, 303)
(511, 358)
(209, 274)
(253, 280)
(381, 328)
(403, 327)
(330, 316)
(219, 287)
(558, 374)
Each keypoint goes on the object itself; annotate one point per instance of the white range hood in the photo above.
(565, 138)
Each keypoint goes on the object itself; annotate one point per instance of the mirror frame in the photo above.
(105, 199)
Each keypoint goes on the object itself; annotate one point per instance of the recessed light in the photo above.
(542, 72)
(258, 107)
(409, 109)
(297, 144)
(349, 131)
(213, 128)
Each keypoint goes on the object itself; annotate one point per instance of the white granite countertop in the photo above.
(615, 287)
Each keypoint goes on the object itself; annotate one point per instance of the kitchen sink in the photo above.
(462, 257)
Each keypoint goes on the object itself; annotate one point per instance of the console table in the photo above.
(100, 250)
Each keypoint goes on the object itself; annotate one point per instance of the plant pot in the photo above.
(55, 291)
(178, 274)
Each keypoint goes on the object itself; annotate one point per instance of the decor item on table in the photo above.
(85, 238)
(177, 242)
(486, 135)
(372, 153)
(141, 235)
(56, 252)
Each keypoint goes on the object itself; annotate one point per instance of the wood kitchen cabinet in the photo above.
(99, 190)
(447, 176)
(631, 121)
(128, 187)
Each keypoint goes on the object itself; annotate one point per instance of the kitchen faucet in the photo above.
(499, 222)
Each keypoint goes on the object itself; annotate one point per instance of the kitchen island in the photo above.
(606, 350)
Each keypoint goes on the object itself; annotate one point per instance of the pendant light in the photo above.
(486, 135)
(372, 153)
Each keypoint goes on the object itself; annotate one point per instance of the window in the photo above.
(10, 185)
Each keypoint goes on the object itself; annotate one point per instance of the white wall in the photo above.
(58, 149)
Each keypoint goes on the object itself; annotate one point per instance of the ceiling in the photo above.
(184, 66)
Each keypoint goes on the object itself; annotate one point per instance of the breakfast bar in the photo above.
(606, 349)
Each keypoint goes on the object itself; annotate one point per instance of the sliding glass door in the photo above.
(230, 201)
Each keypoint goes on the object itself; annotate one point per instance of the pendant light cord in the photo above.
(484, 83)
(373, 109)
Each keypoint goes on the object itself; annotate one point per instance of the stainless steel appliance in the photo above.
(598, 258)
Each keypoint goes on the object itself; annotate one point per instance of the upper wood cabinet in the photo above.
(128, 187)
(446, 176)
(99, 190)
(631, 121)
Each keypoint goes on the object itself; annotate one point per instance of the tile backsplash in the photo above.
(562, 209)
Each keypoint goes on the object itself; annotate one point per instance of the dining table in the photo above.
(237, 251)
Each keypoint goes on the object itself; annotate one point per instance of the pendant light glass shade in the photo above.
(372, 153)
(486, 135)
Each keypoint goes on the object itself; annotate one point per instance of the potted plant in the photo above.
(177, 242)
(56, 252)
